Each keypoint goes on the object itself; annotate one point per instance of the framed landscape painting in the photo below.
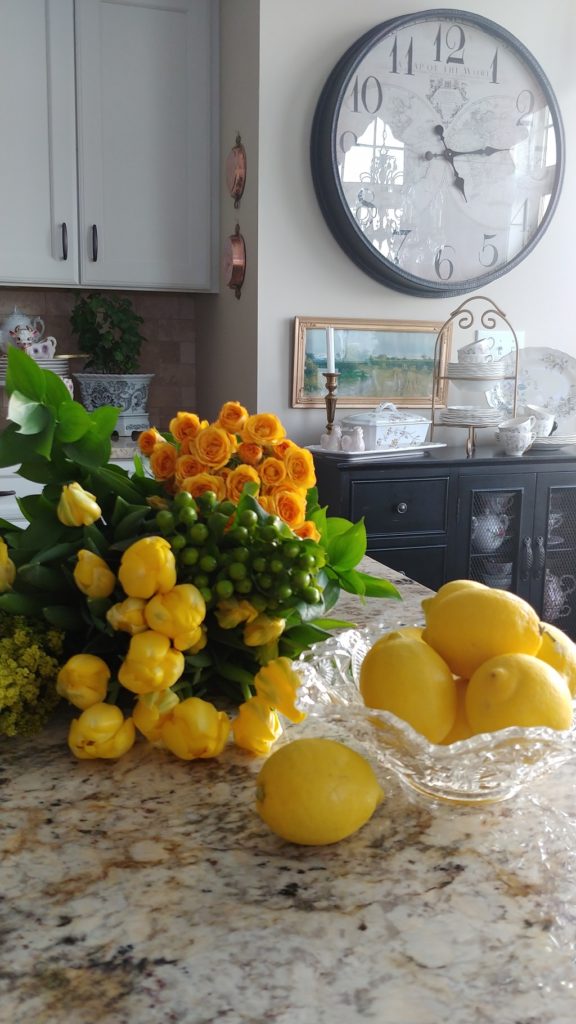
(376, 360)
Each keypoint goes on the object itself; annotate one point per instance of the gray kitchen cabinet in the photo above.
(113, 115)
(38, 191)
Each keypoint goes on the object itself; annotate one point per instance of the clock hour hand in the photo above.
(448, 155)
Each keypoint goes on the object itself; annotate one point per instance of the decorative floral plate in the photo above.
(546, 377)
(486, 767)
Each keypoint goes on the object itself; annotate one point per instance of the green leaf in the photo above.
(31, 417)
(116, 479)
(23, 374)
(74, 422)
(63, 616)
(375, 587)
(91, 450)
(57, 394)
(58, 552)
(41, 471)
(95, 540)
(129, 525)
(35, 508)
(15, 447)
(40, 577)
(20, 604)
(345, 549)
(105, 419)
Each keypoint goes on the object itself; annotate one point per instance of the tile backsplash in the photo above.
(169, 328)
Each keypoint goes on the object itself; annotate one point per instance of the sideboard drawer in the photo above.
(401, 505)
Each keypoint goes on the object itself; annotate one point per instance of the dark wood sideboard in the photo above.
(508, 522)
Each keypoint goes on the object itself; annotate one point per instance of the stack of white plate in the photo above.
(553, 442)
(470, 415)
(60, 365)
(478, 371)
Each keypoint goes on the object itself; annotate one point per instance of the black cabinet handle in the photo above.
(64, 241)
(401, 508)
(540, 559)
(94, 243)
(526, 558)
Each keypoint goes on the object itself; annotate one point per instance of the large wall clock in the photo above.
(437, 152)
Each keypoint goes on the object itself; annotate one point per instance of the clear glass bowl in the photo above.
(486, 767)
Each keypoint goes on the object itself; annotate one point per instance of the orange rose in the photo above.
(308, 531)
(272, 472)
(202, 482)
(300, 467)
(148, 439)
(263, 428)
(237, 478)
(186, 425)
(250, 453)
(188, 465)
(283, 447)
(290, 504)
(232, 417)
(266, 501)
(163, 460)
(213, 446)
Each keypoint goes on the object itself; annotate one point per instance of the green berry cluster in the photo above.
(228, 552)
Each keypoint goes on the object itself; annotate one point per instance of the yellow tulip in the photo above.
(147, 567)
(151, 663)
(231, 613)
(77, 507)
(83, 680)
(256, 727)
(277, 683)
(177, 614)
(195, 729)
(150, 713)
(263, 630)
(101, 731)
(92, 575)
(7, 568)
(128, 615)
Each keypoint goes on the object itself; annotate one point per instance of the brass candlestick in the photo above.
(330, 397)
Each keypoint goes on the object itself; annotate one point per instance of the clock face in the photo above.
(437, 152)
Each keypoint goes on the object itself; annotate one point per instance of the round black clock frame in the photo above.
(324, 152)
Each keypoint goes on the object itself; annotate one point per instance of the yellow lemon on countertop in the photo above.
(461, 730)
(405, 676)
(316, 791)
(469, 626)
(559, 650)
(517, 689)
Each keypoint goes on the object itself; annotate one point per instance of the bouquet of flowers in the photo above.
(181, 589)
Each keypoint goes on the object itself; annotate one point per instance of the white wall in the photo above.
(301, 270)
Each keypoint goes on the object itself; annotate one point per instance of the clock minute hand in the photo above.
(449, 156)
(486, 151)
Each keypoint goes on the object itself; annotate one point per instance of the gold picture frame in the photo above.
(377, 361)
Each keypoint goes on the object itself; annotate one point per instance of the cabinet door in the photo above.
(495, 531)
(147, 116)
(38, 216)
(554, 572)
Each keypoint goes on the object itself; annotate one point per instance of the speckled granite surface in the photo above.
(148, 891)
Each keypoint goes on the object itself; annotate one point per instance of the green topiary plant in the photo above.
(108, 332)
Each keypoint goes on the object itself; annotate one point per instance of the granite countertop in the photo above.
(148, 890)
